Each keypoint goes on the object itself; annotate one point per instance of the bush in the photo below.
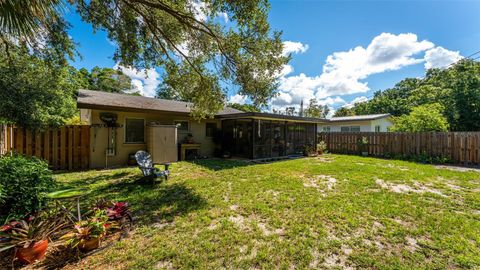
(23, 184)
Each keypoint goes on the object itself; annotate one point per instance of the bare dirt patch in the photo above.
(402, 188)
(321, 182)
(457, 168)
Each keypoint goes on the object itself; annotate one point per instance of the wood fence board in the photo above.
(65, 148)
(459, 147)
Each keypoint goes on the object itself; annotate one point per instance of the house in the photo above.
(359, 123)
(120, 126)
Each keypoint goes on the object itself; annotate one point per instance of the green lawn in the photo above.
(330, 212)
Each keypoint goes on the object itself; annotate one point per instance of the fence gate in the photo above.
(65, 148)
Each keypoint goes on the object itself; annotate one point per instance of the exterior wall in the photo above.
(99, 136)
(365, 126)
(384, 124)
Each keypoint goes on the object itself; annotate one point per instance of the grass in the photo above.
(329, 212)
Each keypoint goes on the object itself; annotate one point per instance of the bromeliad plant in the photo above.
(30, 236)
(88, 233)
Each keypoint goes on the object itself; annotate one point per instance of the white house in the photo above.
(358, 123)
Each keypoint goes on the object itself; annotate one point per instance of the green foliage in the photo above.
(316, 110)
(244, 107)
(195, 49)
(34, 93)
(423, 118)
(103, 79)
(344, 112)
(25, 181)
(457, 89)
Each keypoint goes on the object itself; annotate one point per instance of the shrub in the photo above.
(23, 183)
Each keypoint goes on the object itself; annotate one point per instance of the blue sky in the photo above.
(371, 45)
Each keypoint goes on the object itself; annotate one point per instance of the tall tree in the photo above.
(316, 110)
(244, 107)
(34, 94)
(290, 111)
(104, 79)
(343, 111)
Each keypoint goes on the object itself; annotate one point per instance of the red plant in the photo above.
(118, 210)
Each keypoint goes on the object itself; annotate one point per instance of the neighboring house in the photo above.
(359, 123)
(243, 134)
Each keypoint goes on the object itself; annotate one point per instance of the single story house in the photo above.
(358, 123)
(120, 126)
(123, 124)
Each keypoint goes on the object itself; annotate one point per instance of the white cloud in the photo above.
(224, 16)
(440, 57)
(355, 101)
(331, 101)
(238, 99)
(345, 72)
(145, 80)
(199, 10)
(294, 47)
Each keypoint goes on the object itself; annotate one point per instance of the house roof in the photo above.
(272, 116)
(360, 117)
(88, 99)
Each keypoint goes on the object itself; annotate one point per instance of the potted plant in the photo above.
(87, 234)
(321, 147)
(309, 151)
(29, 236)
(363, 146)
(118, 212)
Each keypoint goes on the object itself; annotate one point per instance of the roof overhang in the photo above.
(123, 109)
(271, 116)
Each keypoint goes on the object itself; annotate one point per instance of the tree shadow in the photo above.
(221, 164)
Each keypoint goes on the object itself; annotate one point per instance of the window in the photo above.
(210, 129)
(134, 130)
(377, 128)
(326, 129)
(182, 125)
(350, 129)
(355, 129)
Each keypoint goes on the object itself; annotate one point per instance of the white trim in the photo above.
(125, 131)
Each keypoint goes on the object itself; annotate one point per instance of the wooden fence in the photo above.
(458, 147)
(64, 148)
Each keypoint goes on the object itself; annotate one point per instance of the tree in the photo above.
(33, 93)
(104, 79)
(184, 37)
(456, 88)
(290, 111)
(316, 110)
(244, 107)
(423, 118)
(344, 111)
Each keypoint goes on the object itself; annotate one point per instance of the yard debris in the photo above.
(402, 188)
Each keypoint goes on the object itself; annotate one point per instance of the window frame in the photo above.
(356, 130)
(215, 128)
(175, 122)
(345, 127)
(125, 130)
(379, 128)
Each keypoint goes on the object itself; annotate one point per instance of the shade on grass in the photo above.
(328, 212)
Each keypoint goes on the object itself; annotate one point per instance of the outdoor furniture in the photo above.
(146, 165)
(69, 194)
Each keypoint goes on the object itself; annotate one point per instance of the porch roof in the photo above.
(272, 116)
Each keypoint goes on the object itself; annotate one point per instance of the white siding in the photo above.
(365, 126)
